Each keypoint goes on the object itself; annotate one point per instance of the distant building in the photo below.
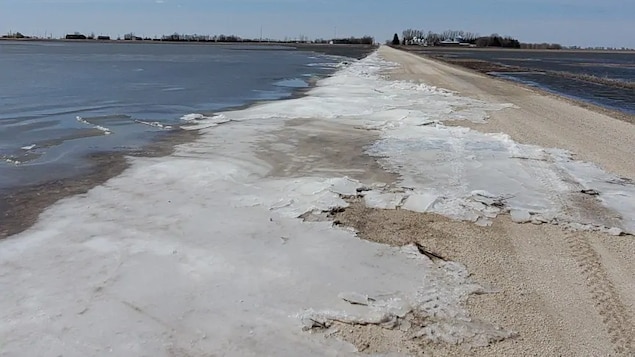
(103, 38)
(132, 37)
(15, 35)
(418, 41)
(451, 43)
(75, 36)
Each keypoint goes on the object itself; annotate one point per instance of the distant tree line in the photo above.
(16, 35)
(541, 46)
(76, 36)
(177, 37)
(497, 41)
(454, 37)
(409, 37)
(365, 40)
(433, 38)
(464, 38)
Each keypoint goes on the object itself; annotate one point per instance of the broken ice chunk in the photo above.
(344, 186)
(615, 231)
(374, 199)
(420, 202)
(520, 216)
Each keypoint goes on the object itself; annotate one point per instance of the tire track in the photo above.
(543, 172)
(615, 316)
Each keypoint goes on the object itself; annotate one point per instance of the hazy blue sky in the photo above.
(569, 22)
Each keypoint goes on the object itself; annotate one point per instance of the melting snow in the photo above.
(202, 253)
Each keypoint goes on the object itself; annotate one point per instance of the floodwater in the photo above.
(606, 79)
(62, 101)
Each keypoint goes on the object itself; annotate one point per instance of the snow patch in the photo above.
(380, 200)
(420, 202)
(155, 124)
(197, 121)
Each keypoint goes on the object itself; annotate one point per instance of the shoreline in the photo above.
(20, 207)
(344, 50)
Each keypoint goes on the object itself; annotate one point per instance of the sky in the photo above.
(568, 22)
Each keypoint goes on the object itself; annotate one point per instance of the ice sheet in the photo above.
(447, 164)
(215, 261)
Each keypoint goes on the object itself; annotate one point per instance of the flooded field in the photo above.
(606, 79)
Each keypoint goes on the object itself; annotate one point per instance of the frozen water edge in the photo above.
(202, 253)
(455, 167)
(156, 262)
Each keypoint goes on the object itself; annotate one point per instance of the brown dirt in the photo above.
(306, 147)
(565, 293)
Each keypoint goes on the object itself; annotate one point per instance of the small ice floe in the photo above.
(12, 161)
(379, 200)
(105, 130)
(193, 117)
(311, 196)
(323, 65)
(29, 147)
(197, 121)
(520, 216)
(155, 124)
(344, 186)
(420, 202)
(615, 231)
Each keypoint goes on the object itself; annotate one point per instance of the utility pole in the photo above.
(260, 33)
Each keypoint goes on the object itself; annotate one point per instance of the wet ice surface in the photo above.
(158, 263)
(455, 171)
(202, 252)
(74, 100)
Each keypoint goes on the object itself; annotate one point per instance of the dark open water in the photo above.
(61, 101)
(610, 75)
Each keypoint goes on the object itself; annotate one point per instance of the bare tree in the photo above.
(410, 34)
